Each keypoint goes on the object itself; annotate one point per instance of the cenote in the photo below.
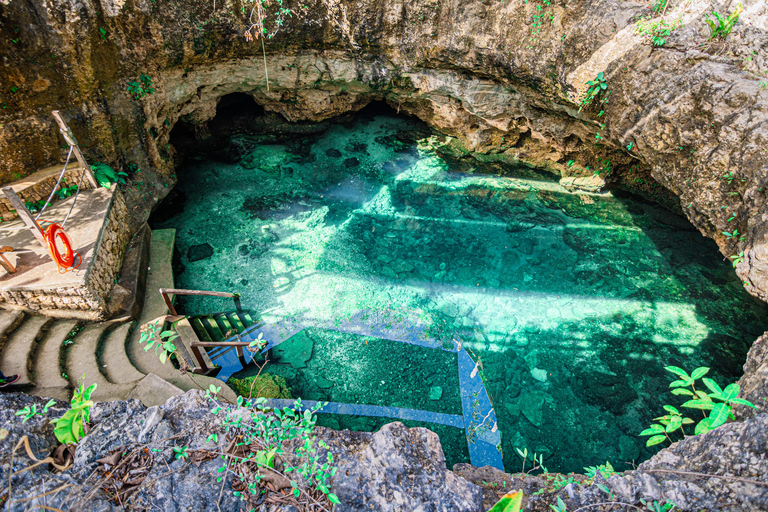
(573, 303)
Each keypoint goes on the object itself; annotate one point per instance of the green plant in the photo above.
(65, 192)
(106, 176)
(266, 436)
(537, 460)
(594, 88)
(716, 406)
(735, 233)
(30, 411)
(180, 452)
(103, 33)
(141, 87)
(510, 502)
(34, 206)
(720, 26)
(657, 30)
(153, 335)
(605, 469)
(737, 259)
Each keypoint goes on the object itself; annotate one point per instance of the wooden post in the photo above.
(7, 265)
(70, 138)
(24, 215)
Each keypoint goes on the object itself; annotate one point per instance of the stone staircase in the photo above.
(51, 354)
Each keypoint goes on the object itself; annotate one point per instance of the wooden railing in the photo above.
(165, 292)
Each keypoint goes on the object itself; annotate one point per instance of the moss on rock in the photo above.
(266, 385)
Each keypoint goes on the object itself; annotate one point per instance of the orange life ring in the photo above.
(50, 233)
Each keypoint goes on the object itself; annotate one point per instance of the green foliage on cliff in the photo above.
(716, 406)
(721, 26)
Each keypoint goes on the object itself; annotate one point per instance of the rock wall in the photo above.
(92, 296)
(394, 470)
(684, 124)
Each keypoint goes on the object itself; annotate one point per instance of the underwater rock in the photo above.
(266, 385)
(295, 351)
(435, 393)
(323, 383)
(532, 406)
(628, 449)
(539, 374)
(333, 153)
(351, 162)
(199, 252)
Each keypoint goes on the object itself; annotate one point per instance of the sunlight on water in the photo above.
(574, 303)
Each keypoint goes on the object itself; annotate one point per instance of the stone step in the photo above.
(114, 361)
(82, 358)
(46, 367)
(20, 349)
(9, 320)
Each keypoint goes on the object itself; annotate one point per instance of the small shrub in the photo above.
(596, 86)
(106, 176)
(720, 26)
(141, 87)
(716, 406)
(657, 30)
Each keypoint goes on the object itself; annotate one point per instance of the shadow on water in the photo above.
(574, 303)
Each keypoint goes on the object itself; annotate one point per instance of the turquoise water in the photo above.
(573, 303)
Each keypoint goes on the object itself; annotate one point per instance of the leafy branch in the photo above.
(716, 406)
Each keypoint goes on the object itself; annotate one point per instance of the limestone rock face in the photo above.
(395, 469)
(684, 124)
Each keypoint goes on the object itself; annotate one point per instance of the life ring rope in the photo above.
(65, 261)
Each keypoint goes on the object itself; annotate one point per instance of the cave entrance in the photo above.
(570, 304)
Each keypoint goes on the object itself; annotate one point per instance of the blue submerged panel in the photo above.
(479, 418)
(483, 438)
(398, 413)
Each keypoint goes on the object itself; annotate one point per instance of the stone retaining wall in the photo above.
(92, 296)
(41, 190)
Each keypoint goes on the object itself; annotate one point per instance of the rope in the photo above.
(58, 182)
(75, 199)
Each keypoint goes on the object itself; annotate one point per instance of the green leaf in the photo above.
(739, 401)
(719, 415)
(680, 383)
(687, 421)
(712, 385)
(653, 429)
(671, 410)
(682, 391)
(702, 427)
(510, 502)
(699, 372)
(704, 405)
(677, 371)
(655, 440)
(333, 498)
(701, 394)
(601, 76)
(675, 424)
(730, 392)
(163, 356)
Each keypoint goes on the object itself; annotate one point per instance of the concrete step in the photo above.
(9, 320)
(45, 367)
(20, 349)
(114, 362)
(82, 359)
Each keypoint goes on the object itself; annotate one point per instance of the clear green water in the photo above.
(573, 302)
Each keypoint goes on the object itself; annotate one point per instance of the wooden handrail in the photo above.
(164, 292)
